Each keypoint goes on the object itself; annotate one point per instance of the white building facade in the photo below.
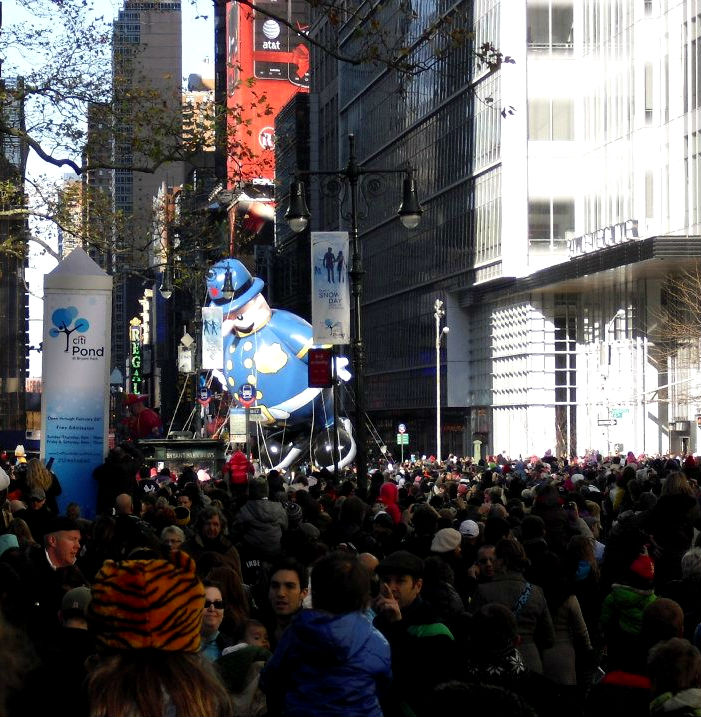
(600, 191)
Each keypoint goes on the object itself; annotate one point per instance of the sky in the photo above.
(198, 57)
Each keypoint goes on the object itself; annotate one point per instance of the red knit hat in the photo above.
(643, 567)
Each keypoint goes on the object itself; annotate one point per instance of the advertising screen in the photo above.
(281, 53)
(267, 57)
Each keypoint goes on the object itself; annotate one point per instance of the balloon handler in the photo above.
(268, 348)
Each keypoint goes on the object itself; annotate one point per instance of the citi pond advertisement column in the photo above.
(76, 369)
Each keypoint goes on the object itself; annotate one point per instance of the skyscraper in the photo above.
(147, 72)
(14, 312)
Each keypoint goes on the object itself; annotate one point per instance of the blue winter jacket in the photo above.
(328, 666)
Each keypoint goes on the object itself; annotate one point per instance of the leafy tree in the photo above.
(71, 77)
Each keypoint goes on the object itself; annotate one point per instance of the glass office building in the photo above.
(561, 196)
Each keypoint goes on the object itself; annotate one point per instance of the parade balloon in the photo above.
(267, 349)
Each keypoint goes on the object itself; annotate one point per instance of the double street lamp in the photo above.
(409, 212)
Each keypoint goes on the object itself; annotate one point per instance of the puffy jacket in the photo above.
(388, 497)
(623, 608)
(329, 666)
(260, 524)
(238, 468)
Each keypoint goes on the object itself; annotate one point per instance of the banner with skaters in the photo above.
(330, 290)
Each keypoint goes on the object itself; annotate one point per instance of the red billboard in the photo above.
(267, 63)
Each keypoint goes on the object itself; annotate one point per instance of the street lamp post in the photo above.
(439, 314)
(620, 314)
(409, 212)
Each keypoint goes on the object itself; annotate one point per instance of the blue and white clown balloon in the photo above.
(268, 349)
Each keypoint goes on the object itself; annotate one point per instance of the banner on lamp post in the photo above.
(330, 290)
(212, 343)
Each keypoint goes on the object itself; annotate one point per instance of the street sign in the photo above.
(402, 439)
(237, 426)
(402, 428)
(320, 368)
(255, 414)
(606, 422)
(187, 340)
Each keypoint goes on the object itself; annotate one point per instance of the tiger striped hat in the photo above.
(142, 604)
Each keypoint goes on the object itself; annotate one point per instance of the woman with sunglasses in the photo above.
(213, 641)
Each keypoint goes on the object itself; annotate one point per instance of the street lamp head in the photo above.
(410, 210)
(297, 214)
(446, 329)
(620, 314)
(166, 287)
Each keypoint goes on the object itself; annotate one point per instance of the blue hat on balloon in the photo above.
(243, 285)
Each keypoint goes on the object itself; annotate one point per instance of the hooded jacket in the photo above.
(260, 523)
(238, 468)
(623, 608)
(388, 497)
(327, 666)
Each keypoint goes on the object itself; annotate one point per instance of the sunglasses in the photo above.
(218, 604)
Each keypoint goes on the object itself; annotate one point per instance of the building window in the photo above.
(550, 222)
(649, 196)
(550, 26)
(551, 119)
(648, 93)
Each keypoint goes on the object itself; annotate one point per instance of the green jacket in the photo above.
(623, 608)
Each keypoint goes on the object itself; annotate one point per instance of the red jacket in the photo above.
(238, 468)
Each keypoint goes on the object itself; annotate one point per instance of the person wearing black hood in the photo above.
(261, 522)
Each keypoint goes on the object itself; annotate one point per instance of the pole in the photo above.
(352, 172)
(335, 415)
(438, 306)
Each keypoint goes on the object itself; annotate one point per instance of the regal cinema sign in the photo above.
(135, 364)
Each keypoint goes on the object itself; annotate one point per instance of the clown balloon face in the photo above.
(249, 318)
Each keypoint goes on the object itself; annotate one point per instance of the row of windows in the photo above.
(487, 216)
(442, 245)
(400, 337)
(692, 173)
(611, 203)
(607, 24)
(692, 64)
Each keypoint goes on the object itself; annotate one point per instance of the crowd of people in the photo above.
(515, 587)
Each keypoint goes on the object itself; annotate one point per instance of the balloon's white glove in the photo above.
(341, 371)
